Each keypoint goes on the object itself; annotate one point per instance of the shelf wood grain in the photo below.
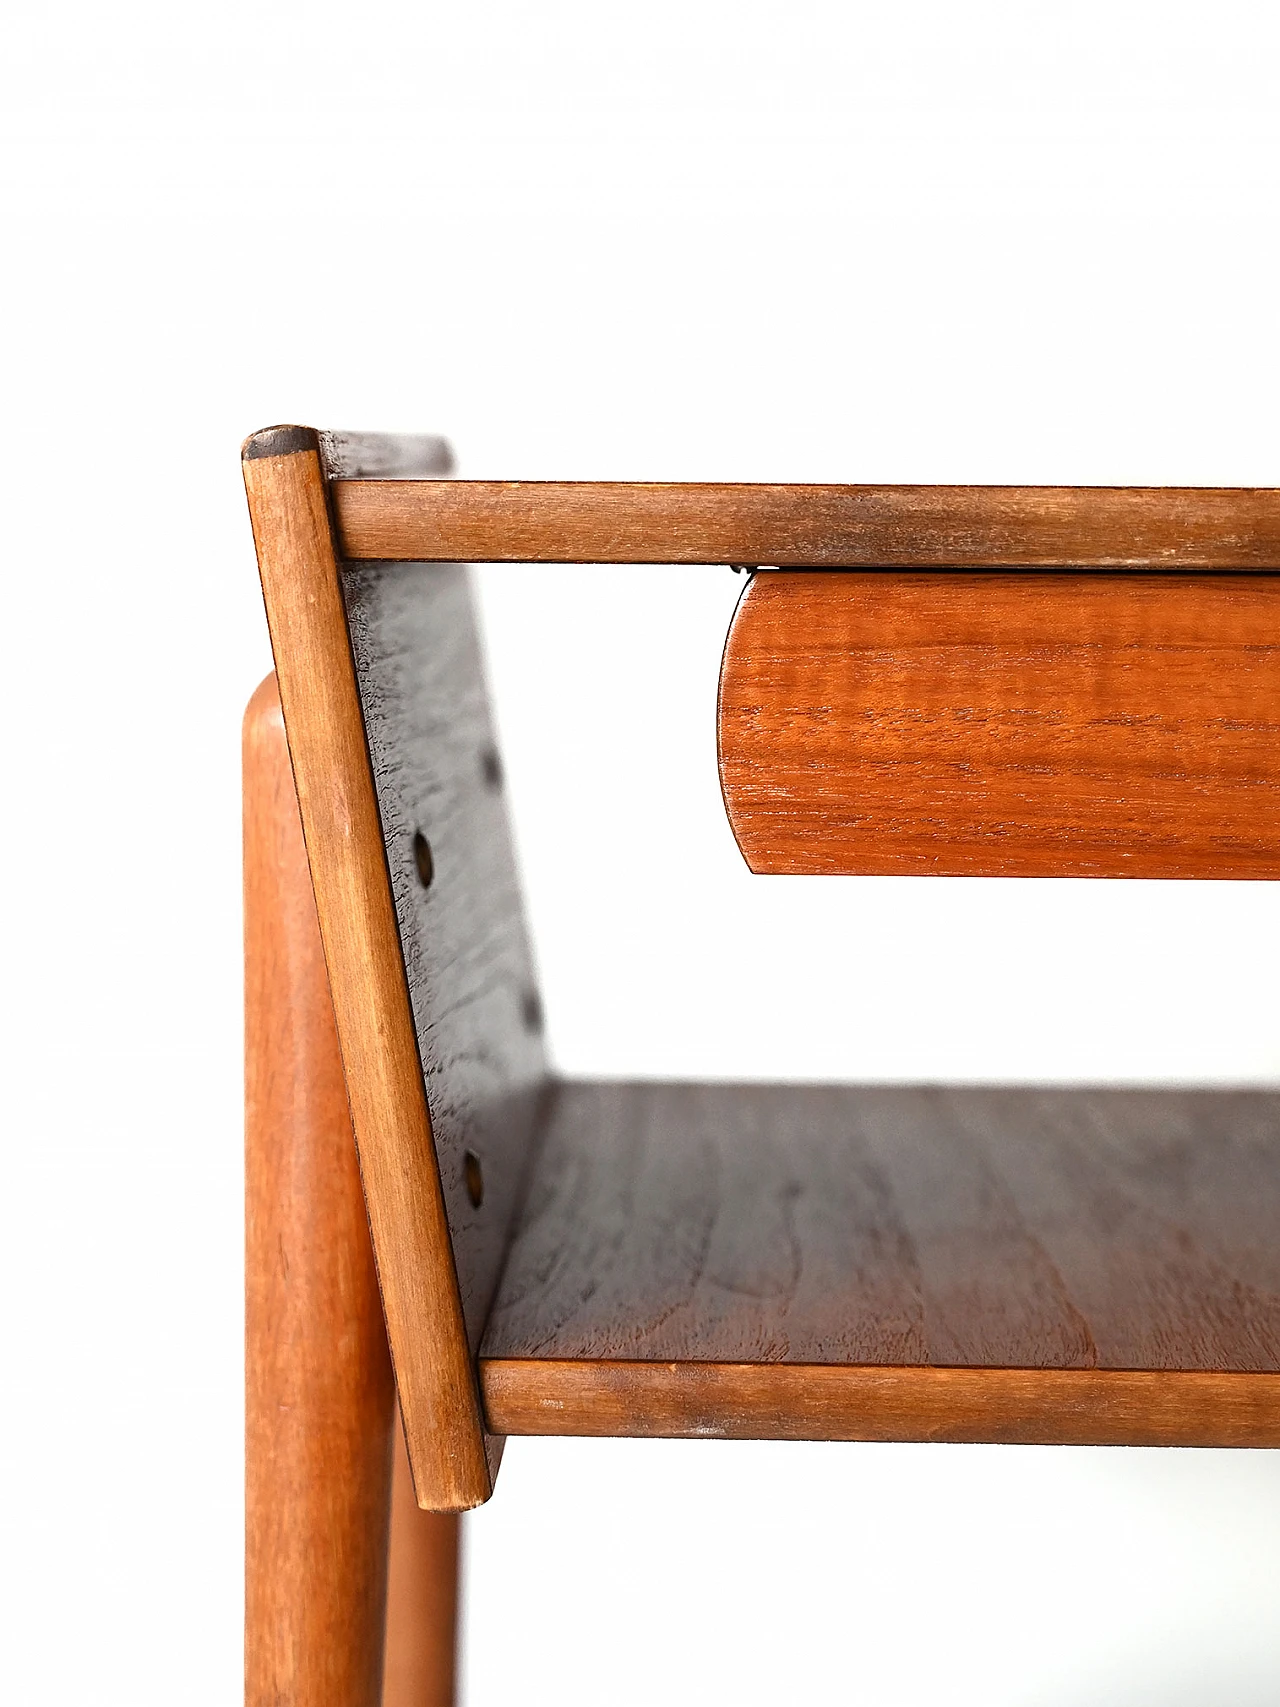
(896, 1263)
(1052, 725)
(799, 526)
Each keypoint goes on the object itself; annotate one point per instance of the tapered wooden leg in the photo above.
(319, 1400)
(422, 1598)
(318, 1388)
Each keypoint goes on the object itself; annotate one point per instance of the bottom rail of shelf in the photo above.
(779, 1401)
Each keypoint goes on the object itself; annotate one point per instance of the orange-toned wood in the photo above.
(423, 1309)
(825, 527)
(319, 1406)
(318, 1391)
(781, 1401)
(420, 1665)
(1004, 725)
(773, 1262)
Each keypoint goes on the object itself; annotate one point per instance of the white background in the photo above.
(925, 242)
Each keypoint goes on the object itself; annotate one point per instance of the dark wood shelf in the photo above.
(895, 1263)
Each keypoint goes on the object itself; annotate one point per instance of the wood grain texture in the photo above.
(420, 1655)
(821, 527)
(671, 1227)
(375, 1020)
(1004, 725)
(719, 1401)
(318, 1392)
(466, 955)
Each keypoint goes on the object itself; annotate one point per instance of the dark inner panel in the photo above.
(1024, 1228)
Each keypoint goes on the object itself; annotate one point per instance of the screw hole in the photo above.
(531, 1011)
(475, 1179)
(422, 859)
(491, 769)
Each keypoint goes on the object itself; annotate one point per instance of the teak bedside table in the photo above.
(928, 680)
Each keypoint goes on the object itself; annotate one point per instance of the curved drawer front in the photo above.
(1008, 725)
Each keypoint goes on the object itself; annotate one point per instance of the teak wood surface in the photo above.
(793, 1401)
(889, 1263)
(1047, 725)
(318, 1390)
(822, 527)
(320, 1467)
(770, 1260)
(430, 984)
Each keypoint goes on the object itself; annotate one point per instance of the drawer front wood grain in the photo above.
(1032, 725)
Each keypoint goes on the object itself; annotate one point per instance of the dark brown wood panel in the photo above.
(685, 1221)
(1000, 1231)
(1157, 1220)
(781, 1401)
(825, 527)
(1004, 725)
(466, 954)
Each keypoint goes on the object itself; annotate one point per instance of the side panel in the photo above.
(475, 1003)
(468, 966)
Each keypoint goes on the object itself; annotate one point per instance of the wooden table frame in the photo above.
(439, 1063)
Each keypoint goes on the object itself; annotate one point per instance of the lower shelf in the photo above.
(813, 1262)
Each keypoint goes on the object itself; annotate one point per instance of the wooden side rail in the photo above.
(821, 527)
(437, 1012)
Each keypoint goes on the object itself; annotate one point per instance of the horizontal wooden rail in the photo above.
(821, 527)
(781, 1401)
